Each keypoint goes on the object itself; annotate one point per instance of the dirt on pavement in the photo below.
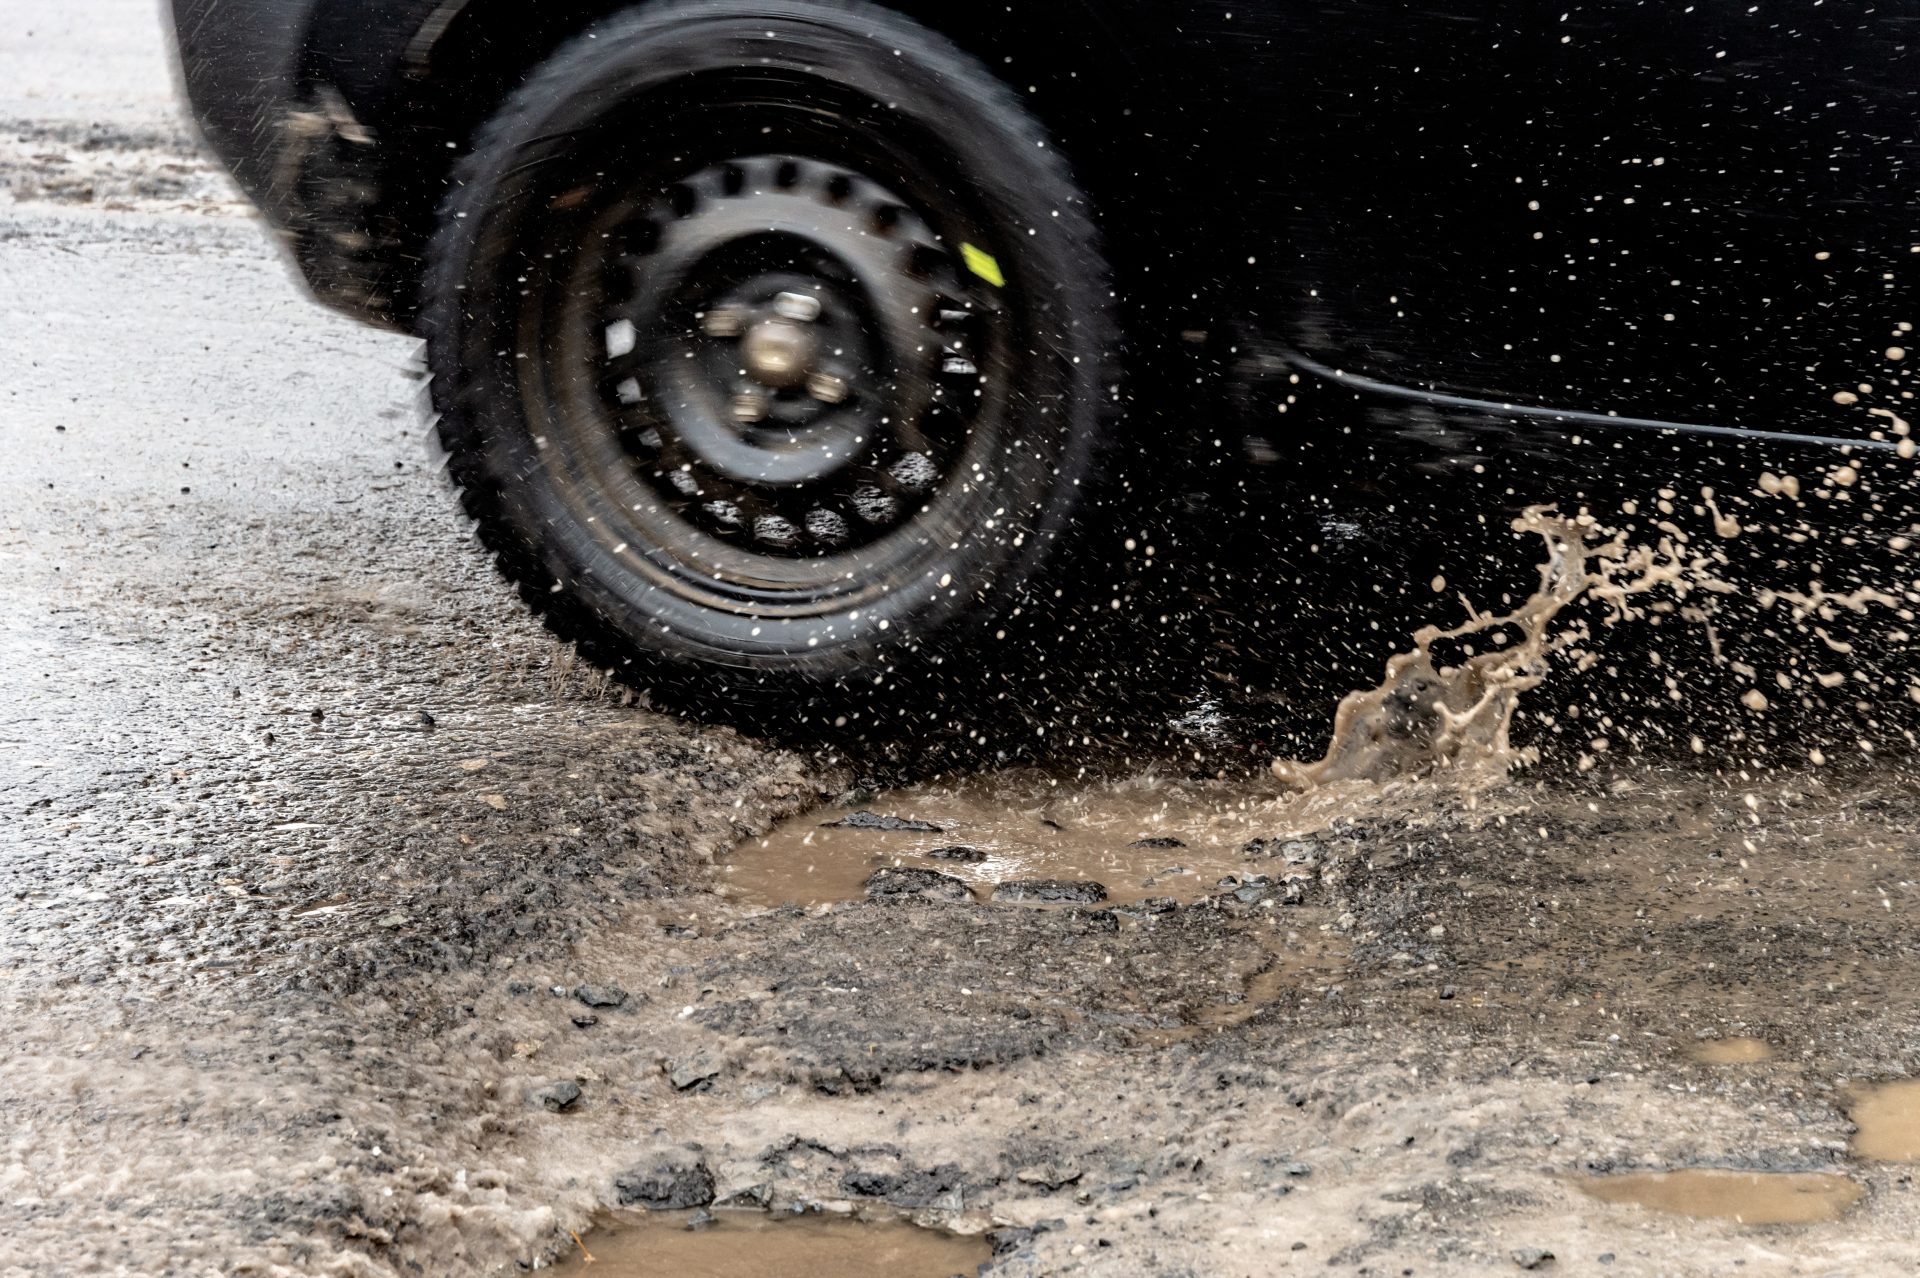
(349, 926)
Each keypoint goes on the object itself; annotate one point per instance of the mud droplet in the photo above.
(1724, 525)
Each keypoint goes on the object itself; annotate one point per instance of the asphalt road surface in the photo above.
(349, 926)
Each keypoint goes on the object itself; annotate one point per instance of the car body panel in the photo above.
(1621, 209)
(1701, 213)
(240, 69)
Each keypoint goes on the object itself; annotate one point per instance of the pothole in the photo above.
(752, 1244)
(1748, 1198)
(1888, 1119)
(1025, 835)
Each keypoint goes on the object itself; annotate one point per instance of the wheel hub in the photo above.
(780, 353)
(793, 361)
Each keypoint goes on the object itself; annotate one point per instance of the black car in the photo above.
(799, 348)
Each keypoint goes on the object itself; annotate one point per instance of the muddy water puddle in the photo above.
(1748, 1198)
(756, 1244)
(1888, 1118)
(1738, 1050)
(1139, 837)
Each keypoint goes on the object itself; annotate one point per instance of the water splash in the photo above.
(1431, 717)
(1446, 711)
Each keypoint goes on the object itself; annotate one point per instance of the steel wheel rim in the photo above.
(590, 386)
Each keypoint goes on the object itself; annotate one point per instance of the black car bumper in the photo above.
(292, 142)
(239, 63)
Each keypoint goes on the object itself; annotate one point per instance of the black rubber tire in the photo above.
(966, 610)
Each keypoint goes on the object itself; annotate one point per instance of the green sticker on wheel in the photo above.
(981, 263)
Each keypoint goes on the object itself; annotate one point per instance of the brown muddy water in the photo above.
(1748, 1198)
(1736, 1050)
(741, 1244)
(1144, 835)
(1888, 1118)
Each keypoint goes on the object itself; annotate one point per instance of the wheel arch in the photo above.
(444, 66)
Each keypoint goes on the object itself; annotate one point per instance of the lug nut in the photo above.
(804, 307)
(749, 407)
(722, 322)
(775, 531)
(826, 388)
(826, 526)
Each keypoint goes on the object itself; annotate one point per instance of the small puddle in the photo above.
(1888, 1116)
(1140, 837)
(752, 1244)
(1749, 1198)
(1731, 1051)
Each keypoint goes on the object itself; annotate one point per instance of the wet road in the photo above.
(236, 593)
(348, 926)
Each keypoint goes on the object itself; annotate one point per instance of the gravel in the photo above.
(1051, 891)
(667, 1180)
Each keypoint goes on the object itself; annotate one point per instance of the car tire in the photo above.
(774, 353)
